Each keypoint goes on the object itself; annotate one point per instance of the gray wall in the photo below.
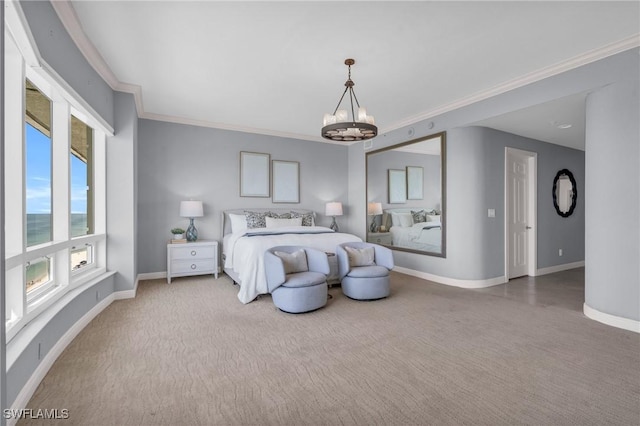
(612, 271)
(60, 52)
(3, 368)
(122, 207)
(180, 162)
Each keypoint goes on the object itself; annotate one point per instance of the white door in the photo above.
(518, 225)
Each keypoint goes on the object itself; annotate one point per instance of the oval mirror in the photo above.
(565, 193)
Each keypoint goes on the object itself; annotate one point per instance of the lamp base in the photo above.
(192, 232)
(374, 226)
(334, 225)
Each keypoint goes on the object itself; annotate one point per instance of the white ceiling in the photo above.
(277, 67)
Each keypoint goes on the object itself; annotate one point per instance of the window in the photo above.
(81, 178)
(37, 165)
(55, 188)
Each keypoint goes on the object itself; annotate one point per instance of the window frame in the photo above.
(21, 63)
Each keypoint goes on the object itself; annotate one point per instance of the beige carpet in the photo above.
(190, 353)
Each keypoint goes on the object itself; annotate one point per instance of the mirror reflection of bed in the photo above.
(405, 187)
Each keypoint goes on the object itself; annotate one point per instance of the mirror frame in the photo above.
(443, 189)
(574, 198)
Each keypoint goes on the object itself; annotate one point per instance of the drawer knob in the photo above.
(193, 252)
(193, 266)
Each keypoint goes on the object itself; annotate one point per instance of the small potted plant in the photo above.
(177, 233)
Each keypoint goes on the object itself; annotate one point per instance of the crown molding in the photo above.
(70, 20)
(532, 77)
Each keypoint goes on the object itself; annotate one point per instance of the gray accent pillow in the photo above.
(361, 256)
(307, 218)
(256, 219)
(293, 262)
(279, 215)
(419, 216)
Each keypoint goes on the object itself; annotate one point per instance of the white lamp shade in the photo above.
(333, 209)
(191, 209)
(374, 209)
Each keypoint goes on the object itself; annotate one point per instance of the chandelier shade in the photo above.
(340, 127)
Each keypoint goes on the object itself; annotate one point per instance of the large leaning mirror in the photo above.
(408, 215)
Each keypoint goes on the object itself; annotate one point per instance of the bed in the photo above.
(416, 228)
(243, 248)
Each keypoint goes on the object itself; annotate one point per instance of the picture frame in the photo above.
(286, 181)
(255, 178)
(397, 186)
(415, 183)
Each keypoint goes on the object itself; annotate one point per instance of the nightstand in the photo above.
(380, 238)
(197, 258)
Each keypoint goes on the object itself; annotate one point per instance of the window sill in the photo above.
(25, 330)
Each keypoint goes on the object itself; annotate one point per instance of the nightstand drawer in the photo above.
(195, 265)
(194, 252)
(188, 259)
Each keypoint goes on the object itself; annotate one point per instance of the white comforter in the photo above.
(422, 236)
(245, 254)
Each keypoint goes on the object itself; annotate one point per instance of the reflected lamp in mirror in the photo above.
(191, 209)
(565, 193)
(333, 209)
(374, 209)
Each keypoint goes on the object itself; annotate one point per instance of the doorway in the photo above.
(520, 212)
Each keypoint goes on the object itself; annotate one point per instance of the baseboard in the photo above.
(41, 371)
(455, 282)
(612, 320)
(559, 268)
(152, 276)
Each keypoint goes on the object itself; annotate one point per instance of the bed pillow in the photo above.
(406, 220)
(273, 222)
(433, 218)
(307, 218)
(279, 215)
(293, 262)
(361, 256)
(238, 222)
(395, 219)
(419, 216)
(255, 219)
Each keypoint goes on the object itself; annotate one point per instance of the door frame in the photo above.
(532, 239)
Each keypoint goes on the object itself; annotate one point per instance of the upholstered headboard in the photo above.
(226, 223)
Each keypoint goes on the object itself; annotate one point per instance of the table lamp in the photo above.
(333, 209)
(191, 209)
(374, 209)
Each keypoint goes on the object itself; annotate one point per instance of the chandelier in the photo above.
(339, 127)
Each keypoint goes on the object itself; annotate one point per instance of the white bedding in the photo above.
(420, 236)
(245, 254)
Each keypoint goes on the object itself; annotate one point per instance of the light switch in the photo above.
(491, 212)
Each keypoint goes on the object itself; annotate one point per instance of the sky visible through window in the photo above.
(38, 175)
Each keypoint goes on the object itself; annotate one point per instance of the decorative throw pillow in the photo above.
(273, 222)
(255, 219)
(419, 216)
(238, 222)
(307, 218)
(293, 262)
(279, 215)
(361, 256)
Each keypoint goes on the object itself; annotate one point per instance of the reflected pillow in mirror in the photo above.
(361, 257)
(433, 218)
(419, 216)
(273, 222)
(255, 219)
(293, 262)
